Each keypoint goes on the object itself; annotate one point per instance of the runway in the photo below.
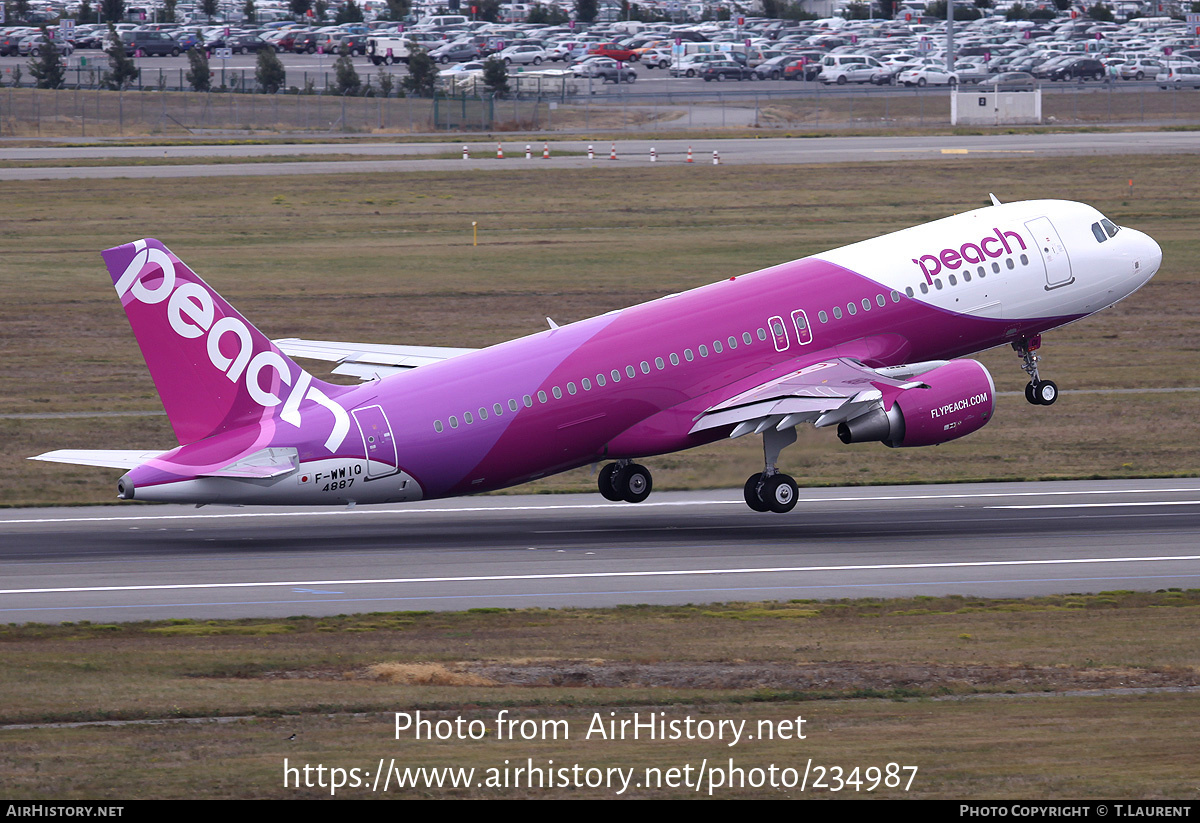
(137, 562)
(631, 151)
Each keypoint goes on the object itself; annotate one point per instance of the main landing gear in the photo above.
(1039, 392)
(770, 491)
(625, 480)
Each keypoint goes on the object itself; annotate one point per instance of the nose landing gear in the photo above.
(1039, 392)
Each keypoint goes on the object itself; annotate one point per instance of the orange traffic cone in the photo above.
(528, 152)
(591, 153)
(612, 155)
(545, 151)
(466, 153)
(689, 158)
(499, 152)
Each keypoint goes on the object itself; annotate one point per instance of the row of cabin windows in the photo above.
(852, 307)
(601, 380)
(717, 347)
(980, 272)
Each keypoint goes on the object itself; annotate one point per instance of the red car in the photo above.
(614, 51)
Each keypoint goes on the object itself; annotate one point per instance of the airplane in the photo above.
(869, 337)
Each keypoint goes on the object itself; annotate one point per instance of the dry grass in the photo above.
(424, 674)
(389, 259)
(956, 686)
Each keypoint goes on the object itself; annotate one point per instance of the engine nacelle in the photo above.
(960, 399)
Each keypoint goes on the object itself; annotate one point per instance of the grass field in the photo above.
(389, 258)
(1078, 696)
(957, 687)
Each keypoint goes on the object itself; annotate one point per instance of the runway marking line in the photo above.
(616, 507)
(602, 575)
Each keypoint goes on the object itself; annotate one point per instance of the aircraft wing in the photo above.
(824, 394)
(367, 361)
(107, 458)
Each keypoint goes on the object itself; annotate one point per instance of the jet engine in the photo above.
(954, 400)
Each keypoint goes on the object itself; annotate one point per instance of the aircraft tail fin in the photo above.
(213, 369)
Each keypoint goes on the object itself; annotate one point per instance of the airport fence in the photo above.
(83, 112)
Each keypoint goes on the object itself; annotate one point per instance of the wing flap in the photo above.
(824, 394)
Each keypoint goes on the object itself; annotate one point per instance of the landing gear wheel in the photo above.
(1046, 393)
(779, 492)
(633, 482)
(1029, 395)
(605, 481)
(750, 491)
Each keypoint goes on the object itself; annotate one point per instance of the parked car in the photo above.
(928, 76)
(854, 73)
(1179, 77)
(726, 70)
(524, 55)
(150, 44)
(1082, 68)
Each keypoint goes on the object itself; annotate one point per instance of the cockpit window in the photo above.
(1099, 232)
(1110, 227)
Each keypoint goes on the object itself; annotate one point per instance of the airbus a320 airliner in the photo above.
(862, 337)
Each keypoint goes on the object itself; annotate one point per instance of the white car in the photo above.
(854, 73)
(928, 76)
(524, 55)
(1179, 77)
(657, 57)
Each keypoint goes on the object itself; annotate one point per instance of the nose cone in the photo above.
(1151, 257)
(1147, 255)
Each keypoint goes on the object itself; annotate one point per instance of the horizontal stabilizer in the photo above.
(107, 458)
(260, 465)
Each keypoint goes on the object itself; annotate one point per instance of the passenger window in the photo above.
(746, 338)
(866, 304)
(881, 300)
(659, 364)
(953, 280)
(482, 413)
(645, 367)
(527, 400)
(498, 409)
(852, 309)
(557, 392)
(570, 388)
(703, 350)
(822, 316)
(1009, 262)
(687, 355)
(453, 422)
(616, 376)
(437, 426)
(541, 397)
(468, 418)
(674, 359)
(512, 405)
(600, 381)
(732, 342)
(587, 384)
(629, 370)
(762, 334)
(717, 346)
(837, 312)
